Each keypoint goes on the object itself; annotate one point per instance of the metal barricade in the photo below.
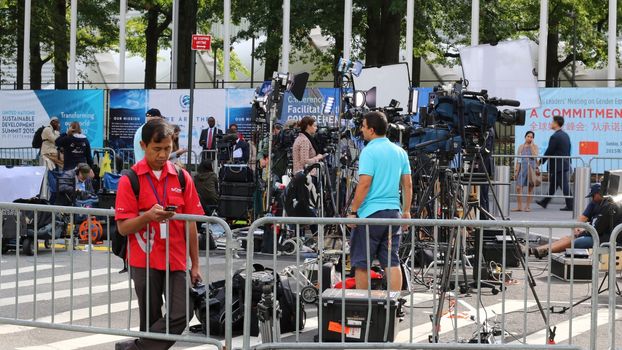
(600, 164)
(79, 289)
(127, 157)
(549, 180)
(18, 156)
(614, 264)
(455, 319)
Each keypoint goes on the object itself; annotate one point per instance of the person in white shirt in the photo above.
(50, 156)
(139, 154)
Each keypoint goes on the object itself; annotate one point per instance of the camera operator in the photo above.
(383, 167)
(305, 150)
(279, 153)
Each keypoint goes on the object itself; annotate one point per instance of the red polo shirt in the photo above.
(128, 207)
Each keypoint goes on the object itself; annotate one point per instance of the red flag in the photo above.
(588, 148)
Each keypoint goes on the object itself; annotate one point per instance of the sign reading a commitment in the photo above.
(201, 42)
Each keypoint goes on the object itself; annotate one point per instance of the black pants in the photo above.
(176, 304)
(559, 179)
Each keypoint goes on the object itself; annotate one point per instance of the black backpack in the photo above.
(285, 295)
(37, 139)
(119, 242)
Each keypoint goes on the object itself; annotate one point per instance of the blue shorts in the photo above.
(378, 242)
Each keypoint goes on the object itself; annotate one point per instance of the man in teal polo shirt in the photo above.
(383, 167)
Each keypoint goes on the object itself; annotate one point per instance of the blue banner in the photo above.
(320, 103)
(127, 114)
(592, 119)
(83, 106)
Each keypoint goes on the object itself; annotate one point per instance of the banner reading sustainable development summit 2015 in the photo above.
(23, 112)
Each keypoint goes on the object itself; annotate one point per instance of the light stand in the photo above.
(281, 83)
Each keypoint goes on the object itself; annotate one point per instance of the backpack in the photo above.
(37, 139)
(119, 242)
(285, 295)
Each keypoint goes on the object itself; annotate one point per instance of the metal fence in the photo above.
(555, 180)
(451, 325)
(97, 299)
(438, 299)
(613, 274)
(600, 164)
(19, 156)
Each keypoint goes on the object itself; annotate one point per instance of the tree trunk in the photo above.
(151, 54)
(389, 35)
(20, 45)
(61, 46)
(373, 33)
(187, 27)
(36, 63)
(383, 34)
(273, 52)
(551, 58)
(416, 71)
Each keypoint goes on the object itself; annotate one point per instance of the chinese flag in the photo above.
(588, 148)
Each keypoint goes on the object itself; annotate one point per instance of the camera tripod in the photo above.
(475, 156)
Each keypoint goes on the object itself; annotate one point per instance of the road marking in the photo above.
(421, 332)
(65, 293)
(79, 314)
(11, 271)
(582, 323)
(77, 343)
(57, 278)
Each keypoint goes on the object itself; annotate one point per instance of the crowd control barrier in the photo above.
(450, 316)
(77, 287)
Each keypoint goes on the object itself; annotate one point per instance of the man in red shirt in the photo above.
(146, 223)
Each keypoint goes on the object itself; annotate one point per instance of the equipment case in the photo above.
(560, 268)
(356, 304)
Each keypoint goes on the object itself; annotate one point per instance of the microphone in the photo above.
(504, 102)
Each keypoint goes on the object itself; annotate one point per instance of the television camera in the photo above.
(456, 118)
(399, 125)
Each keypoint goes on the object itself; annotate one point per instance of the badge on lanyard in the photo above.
(164, 229)
(163, 225)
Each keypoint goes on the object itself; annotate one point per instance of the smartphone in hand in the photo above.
(170, 208)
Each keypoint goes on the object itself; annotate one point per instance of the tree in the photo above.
(61, 43)
(147, 33)
(512, 19)
(49, 37)
(187, 27)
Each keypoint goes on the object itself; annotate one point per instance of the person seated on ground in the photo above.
(582, 239)
(76, 184)
(206, 183)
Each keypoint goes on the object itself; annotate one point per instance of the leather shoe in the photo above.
(538, 253)
(565, 209)
(542, 203)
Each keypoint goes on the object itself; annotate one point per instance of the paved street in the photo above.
(90, 302)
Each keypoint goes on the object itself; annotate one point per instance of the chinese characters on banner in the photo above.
(592, 119)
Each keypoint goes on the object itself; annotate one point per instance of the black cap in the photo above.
(154, 112)
(593, 190)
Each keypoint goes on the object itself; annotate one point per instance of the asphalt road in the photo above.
(89, 294)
